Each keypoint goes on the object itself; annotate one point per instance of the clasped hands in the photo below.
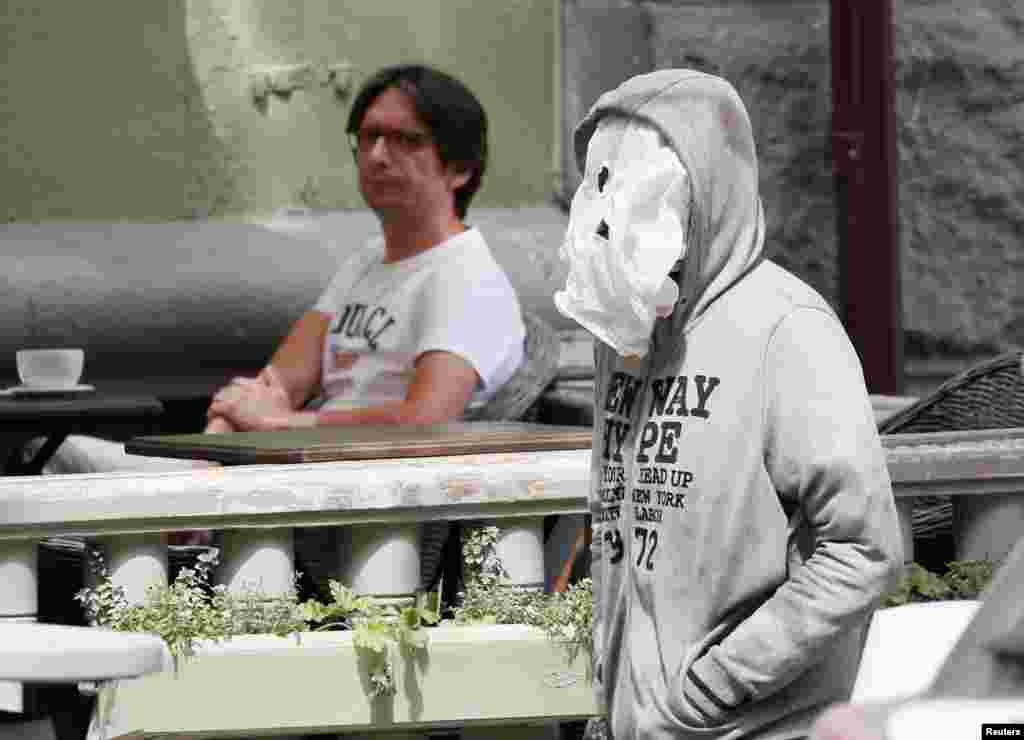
(252, 405)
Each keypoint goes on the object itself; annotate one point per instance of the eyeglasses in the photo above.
(399, 142)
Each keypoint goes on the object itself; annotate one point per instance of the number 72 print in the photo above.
(645, 554)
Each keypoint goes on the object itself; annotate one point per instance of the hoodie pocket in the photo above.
(702, 695)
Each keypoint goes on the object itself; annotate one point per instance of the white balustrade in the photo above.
(378, 504)
(984, 473)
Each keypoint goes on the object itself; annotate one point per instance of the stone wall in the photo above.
(960, 131)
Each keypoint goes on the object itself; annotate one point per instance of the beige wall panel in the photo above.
(143, 110)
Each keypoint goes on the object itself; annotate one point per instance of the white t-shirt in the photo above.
(453, 297)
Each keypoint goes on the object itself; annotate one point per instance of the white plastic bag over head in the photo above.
(627, 228)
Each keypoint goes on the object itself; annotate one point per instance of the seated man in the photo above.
(420, 323)
(415, 326)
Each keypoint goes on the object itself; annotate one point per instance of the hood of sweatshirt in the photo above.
(703, 119)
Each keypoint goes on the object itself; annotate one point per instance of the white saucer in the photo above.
(48, 390)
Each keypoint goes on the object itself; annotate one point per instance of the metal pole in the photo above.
(865, 161)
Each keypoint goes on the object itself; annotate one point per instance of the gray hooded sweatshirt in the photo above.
(744, 523)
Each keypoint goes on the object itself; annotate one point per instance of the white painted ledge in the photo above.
(956, 463)
(48, 653)
(986, 467)
(454, 487)
(360, 492)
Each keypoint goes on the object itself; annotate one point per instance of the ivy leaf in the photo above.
(409, 618)
(927, 584)
(428, 605)
(371, 635)
(314, 611)
(412, 638)
(345, 601)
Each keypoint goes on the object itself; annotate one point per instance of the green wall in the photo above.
(144, 110)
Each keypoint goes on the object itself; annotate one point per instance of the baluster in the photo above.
(905, 512)
(135, 562)
(257, 559)
(520, 546)
(261, 560)
(19, 602)
(381, 560)
(987, 526)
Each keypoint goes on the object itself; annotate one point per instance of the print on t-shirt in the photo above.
(359, 320)
(363, 361)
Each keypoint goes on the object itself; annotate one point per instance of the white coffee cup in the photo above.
(50, 368)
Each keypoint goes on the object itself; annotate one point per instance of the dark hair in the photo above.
(457, 122)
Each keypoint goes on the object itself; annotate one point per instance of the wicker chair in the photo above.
(989, 395)
(516, 400)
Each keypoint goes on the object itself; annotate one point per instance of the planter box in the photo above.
(255, 684)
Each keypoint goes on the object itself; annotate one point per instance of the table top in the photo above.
(33, 408)
(323, 444)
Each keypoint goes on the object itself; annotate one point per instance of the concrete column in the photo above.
(19, 602)
(380, 560)
(905, 512)
(257, 559)
(986, 527)
(135, 562)
(520, 546)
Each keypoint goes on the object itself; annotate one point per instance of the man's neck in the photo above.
(403, 240)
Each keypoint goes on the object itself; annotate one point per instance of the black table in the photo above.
(54, 417)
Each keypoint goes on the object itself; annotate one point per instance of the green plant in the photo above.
(377, 629)
(189, 609)
(968, 578)
(963, 579)
(489, 598)
(568, 619)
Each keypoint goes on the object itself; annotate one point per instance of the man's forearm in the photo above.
(384, 413)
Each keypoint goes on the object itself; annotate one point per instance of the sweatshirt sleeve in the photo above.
(824, 457)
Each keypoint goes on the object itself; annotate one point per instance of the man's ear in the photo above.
(458, 175)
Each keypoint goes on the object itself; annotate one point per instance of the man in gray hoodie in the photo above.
(744, 523)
